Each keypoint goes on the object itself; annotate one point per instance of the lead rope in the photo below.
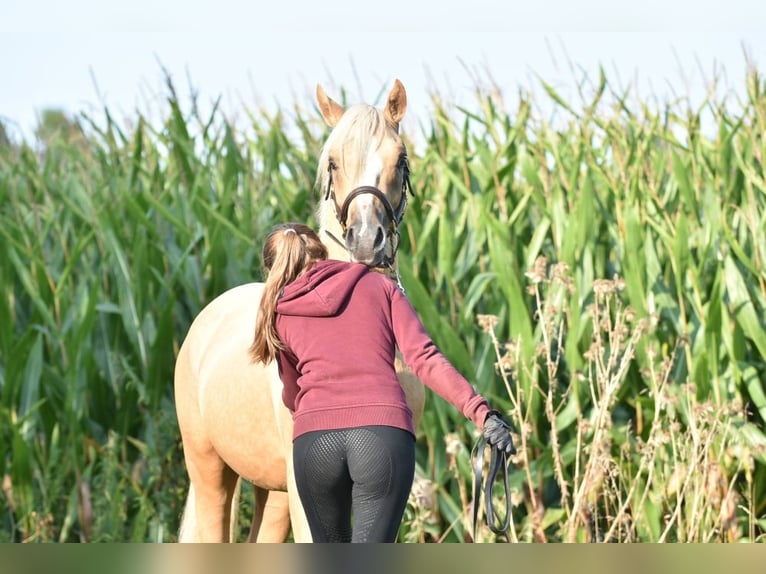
(498, 462)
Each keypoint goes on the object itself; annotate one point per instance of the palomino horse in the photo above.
(230, 413)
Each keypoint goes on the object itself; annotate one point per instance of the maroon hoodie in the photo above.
(341, 323)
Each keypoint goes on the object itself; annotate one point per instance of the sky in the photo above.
(82, 55)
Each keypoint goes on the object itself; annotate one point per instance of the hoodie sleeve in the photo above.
(430, 365)
(286, 364)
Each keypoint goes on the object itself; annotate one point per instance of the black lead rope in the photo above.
(498, 462)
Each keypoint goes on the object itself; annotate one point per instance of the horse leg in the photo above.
(271, 517)
(209, 508)
(301, 531)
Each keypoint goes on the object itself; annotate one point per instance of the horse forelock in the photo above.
(361, 127)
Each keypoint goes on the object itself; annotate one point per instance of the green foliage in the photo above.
(616, 259)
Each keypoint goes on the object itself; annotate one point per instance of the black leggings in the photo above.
(362, 473)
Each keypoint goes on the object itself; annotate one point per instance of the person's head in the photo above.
(289, 251)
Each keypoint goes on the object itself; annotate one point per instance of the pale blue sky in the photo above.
(79, 53)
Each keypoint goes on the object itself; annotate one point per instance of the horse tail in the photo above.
(187, 532)
(234, 511)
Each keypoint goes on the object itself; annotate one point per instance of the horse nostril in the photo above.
(380, 238)
(349, 237)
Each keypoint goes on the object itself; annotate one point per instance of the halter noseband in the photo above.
(394, 215)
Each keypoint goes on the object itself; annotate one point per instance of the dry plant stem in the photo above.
(751, 510)
(707, 514)
(646, 458)
(730, 492)
(545, 320)
(448, 530)
(557, 464)
(552, 369)
(464, 502)
(697, 514)
(648, 455)
(522, 425)
(516, 401)
(461, 486)
(608, 379)
(503, 374)
(690, 473)
(525, 425)
(579, 450)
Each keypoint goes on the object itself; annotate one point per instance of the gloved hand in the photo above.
(497, 433)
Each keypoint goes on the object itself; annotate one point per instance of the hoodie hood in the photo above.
(322, 291)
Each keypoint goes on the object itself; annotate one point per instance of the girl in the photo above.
(333, 328)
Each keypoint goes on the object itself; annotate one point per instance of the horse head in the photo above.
(364, 174)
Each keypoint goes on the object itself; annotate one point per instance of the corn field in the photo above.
(597, 270)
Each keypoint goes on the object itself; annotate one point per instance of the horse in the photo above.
(232, 422)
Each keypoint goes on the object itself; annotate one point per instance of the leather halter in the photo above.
(394, 215)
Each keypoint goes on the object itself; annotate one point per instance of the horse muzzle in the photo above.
(368, 243)
(370, 231)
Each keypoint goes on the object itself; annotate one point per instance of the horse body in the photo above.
(230, 412)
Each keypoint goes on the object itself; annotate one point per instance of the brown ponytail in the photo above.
(289, 250)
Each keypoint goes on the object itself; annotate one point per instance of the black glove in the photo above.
(497, 433)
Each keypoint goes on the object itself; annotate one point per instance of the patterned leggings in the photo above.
(354, 483)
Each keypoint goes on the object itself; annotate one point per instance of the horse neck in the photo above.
(331, 233)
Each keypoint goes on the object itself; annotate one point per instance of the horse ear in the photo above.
(330, 109)
(396, 105)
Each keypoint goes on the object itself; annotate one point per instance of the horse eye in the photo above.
(402, 164)
(332, 165)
